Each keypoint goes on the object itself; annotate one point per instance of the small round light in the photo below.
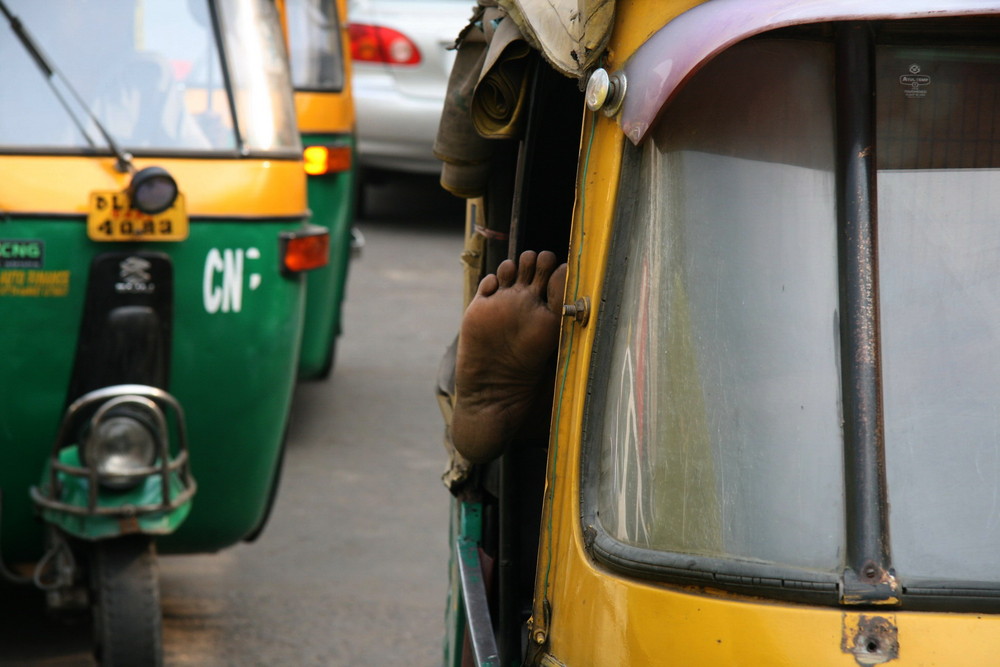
(153, 190)
(122, 441)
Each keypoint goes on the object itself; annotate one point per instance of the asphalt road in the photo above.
(352, 568)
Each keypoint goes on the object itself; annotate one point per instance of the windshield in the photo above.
(314, 44)
(721, 429)
(150, 71)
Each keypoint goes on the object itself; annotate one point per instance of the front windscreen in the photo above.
(149, 71)
(314, 45)
(721, 430)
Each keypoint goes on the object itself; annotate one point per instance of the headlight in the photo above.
(123, 440)
(153, 190)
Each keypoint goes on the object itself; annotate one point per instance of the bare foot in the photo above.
(503, 369)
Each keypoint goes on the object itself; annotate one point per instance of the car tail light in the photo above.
(319, 160)
(378, 44)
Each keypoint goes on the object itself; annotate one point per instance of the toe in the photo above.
(506, 273)
(526, 267)
(544, 266)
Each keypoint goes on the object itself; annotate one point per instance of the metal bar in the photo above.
(515, 237)
(120, 511)
(525, 153)
(477, 609)
(867, 577)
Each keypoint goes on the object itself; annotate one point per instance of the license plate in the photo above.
(112, 218)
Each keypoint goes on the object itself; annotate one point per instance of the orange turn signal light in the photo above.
(319, 160)
(305, 249)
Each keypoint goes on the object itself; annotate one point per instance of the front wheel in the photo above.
(128, 622)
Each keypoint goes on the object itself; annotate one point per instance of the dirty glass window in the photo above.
(721, 429)
(939, 268)
(148, 70)
(314, 45)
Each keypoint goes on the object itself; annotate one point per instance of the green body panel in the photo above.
(331, 200)
(75, 492)
(233, 370)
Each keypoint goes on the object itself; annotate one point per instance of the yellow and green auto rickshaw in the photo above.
(774, 437)
(321, 75)
(153, 238)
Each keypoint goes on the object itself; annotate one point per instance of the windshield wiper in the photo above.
(50, 72)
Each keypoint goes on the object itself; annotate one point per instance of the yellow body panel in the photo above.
(325, 112)
(213, 187)
(586, 615)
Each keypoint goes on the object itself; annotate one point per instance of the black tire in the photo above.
(128, 621)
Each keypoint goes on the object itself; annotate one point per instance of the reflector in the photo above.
(305, 250)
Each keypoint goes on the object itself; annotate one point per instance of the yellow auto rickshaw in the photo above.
(774, 435)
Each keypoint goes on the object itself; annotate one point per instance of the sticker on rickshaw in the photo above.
(111, 217)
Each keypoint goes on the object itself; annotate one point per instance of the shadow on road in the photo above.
(28, 632)
(410, 199)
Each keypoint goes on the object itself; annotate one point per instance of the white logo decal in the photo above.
(223, 280)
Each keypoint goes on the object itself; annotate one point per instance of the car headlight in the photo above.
(124, 439)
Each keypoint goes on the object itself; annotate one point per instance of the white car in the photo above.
(401, 68)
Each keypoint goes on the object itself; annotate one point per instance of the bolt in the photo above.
(579, 310)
